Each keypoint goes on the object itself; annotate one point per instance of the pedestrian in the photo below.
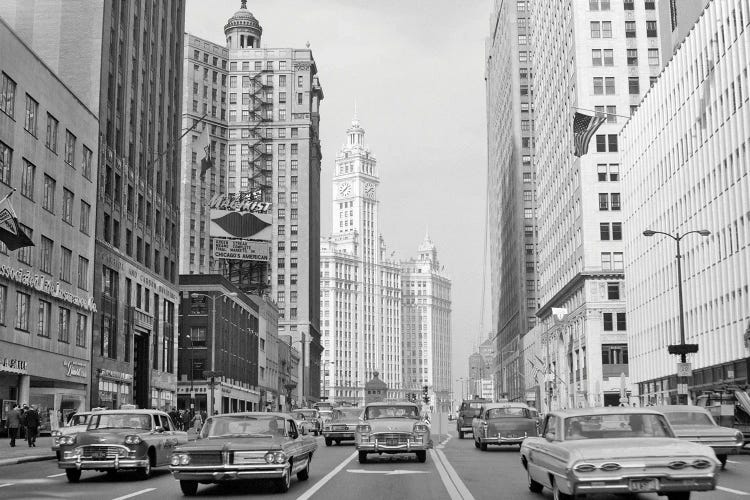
(32, 425)
(13, 422)
(22, 429)
(197, 422)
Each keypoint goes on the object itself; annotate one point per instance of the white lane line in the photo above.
(309, 493)
(131, 495)
(444, 442)
(463, 490)
(730, 490)
(449, 486)
(733, 462)
(6, 484)
(57, 475)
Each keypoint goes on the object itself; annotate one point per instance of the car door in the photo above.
(540, 457)
(294, 443)
(170, 437)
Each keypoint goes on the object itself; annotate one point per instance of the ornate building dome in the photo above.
(244, 22)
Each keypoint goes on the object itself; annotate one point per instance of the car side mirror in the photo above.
(159, 429)
(550, 436)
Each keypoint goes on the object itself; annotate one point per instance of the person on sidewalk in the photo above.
(197, 422)
(13, 422)
(22, 429)
(32, 425)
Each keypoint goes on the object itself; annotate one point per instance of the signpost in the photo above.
(211, 377)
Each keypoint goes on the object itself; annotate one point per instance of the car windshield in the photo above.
(243, 426)
(346, 414)
(616, 425)
(395, 411)
(77, 420)
(688, 418)
(306, 414)
(475, 406)
(138, 421)
(508, 412)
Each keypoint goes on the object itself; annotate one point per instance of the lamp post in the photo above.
(190, 369)
(302, 342)
(213, 373)
(682, 348)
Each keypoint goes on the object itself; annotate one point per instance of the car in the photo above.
(309, 420)
(451, 416)
(392, 428)
(503, 424)
(615, 450)
(241, 446)
(115, 440)
(325, 415)
(694, 423)
(77, 423)
(466, 413)
(342, 425)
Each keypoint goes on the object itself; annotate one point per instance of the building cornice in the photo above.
(573, 284)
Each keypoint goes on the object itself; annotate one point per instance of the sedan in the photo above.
(503, 424)
(342, 425)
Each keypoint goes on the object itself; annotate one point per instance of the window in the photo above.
(607, 324)
(6, 155)
(617, 262)
(527, 195)
(606, 142)
(67, 214)
(83, 273)
(609, 85)
(604, 230)
(603, 201)
(628, 4)
(70, 148)
(611, 114)
(300, 81)
(632, 57)
(629, 29)
(598, 85)
(86, 162)
(45, 254)
(606, 261)
(621, 322)
(617, 230)
(615, 200)
(66, 256)
(63, 333)
(48, 201)
(45, 316)
(24, 254)
(606, 29)
(3, 299)
(81, 328)
(7, 96)
(596, 29)
(653, 57)
(32, 108)
(601, 170)
(27, 180)
(614, 172)
(651, 29)
(299, 98)
(634, 87)
(51, 141)
(85, 217)
(609, 57)
(23, 302)
(613, 290)
(614, 354)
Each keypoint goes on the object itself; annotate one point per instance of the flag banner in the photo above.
(204, 144)
(584, 128)
(10, 231)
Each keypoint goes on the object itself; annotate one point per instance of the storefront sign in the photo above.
(39, 283)
(684, 370)
(75, 369)
(116, 375)
(114, 262)
(228, 248)
(13, 365)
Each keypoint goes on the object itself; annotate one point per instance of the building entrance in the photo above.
(141, 396)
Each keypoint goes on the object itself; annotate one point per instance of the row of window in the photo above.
(238, 66)
(606, 85)
(606, 57)
(603, 29)
(626, 4)
(609, 201)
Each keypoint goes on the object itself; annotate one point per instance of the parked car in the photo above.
(392, 428)
(503, 424)
(695, 424)
(77, 423)
(116, 440)
(342, 425)
(241, 446)
(309, 420)
(615, 451)
(469, 409)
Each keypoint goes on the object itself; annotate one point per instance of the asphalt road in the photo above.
(454, 470)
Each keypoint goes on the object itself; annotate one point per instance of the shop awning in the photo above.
(744, 400)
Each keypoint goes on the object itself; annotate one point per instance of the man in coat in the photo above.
(13, 422)
(32, 425)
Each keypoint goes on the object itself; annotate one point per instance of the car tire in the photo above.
(559, 495)
(460, 435)
(329, 441)
(482, 446)
(363, 457)
(534, 487)
(723, 460)
(144, 472)
(189, 488)
(74, 475)
(421, 456)
(476, 444)
(679, 495)
(285, 481)
(304, 474)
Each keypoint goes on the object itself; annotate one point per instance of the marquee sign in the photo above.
(39, 283)
(228, 248)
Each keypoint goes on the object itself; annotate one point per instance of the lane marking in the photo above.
(444, 442)
(733, 462)
(463, 490)
(396, 472)
(57, 475)
(6, 484)
(449, 486)
(730, 490)
(325, 479)
(131, 495)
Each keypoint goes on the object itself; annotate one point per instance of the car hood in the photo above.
(107, 436)
(625, 448)
(234, 444)
(703, 431)
(71, 429)
(392, 424)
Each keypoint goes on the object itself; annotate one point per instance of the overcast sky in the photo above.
(415, 68)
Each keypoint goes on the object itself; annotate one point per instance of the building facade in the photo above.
(684, 167)
(360, 286)
(48, 147)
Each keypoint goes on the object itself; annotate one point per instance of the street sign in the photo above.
(684, 370)
(682, 388)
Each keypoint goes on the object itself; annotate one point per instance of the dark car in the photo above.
(469, 409)
(242, 446)
(342, 425)
(503, 424)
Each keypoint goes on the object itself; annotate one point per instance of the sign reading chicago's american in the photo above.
(227, 248)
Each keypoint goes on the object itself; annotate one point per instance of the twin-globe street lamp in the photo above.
(682, 348)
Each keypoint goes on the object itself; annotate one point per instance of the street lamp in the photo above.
(682, 348)
(213, 373)
(302, 342)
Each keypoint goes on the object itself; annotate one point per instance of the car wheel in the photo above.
(723, 460)
(304, 474)
(74, 475)
(363, 457)
(482, 446)
(476, 444)
(329, 441)
(460, 435)
(338, 442)
(144, 472)
(534, 487)
(189, 488)
(422, 456)
(559, 495)
(679, 495)
(285, 481)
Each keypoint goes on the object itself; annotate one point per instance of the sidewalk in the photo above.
(22, 453)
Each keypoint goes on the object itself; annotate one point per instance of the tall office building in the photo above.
(125, 62)
(511, 189)
(426, 326)
(262, 107)
(360, 286)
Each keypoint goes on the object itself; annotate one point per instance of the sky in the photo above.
(415, 69)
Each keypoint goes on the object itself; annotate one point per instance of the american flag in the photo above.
(584, 128)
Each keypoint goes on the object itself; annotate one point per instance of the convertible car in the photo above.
(503, 424)
(615, 451)
(695, 424)
(392, 428)
(241, 446)
(342, 424)
(117, 440)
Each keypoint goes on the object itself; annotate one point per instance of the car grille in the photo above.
(248, 457)
(339, 427)
(207, 458)
(102, 452)
(391, 438)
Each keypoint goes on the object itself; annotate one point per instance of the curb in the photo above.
(23, 460)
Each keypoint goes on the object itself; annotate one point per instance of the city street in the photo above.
(455, 470)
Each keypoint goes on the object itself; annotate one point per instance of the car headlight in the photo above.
(180, 459)
(364, 429)
(275, 457)
(420, 428)
(739, 437)
(133, 439)
(56, 434)
(67, 440)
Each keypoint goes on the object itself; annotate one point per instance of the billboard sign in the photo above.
(245, 201)
(229, 248)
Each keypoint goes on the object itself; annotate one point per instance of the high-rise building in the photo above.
(684, 166)
(261, 106)
(512, 199)
(426, 325)
(125, 62)
(360, 286)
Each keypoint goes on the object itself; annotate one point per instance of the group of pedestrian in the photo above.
(186, 419)
(24, 421)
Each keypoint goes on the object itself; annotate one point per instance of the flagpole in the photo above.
(12, 190)
(191, 128)
(599, 112)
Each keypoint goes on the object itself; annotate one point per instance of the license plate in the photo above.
(391, 442)
(99, 455)
(642, 485)
(510, 436)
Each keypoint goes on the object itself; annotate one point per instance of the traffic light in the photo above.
(425, 389)
(427, 400)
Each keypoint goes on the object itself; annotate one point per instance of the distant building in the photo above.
(481, 364)
(48, 150)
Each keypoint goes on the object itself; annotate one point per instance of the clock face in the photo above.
(345, 189)
(370, 190)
